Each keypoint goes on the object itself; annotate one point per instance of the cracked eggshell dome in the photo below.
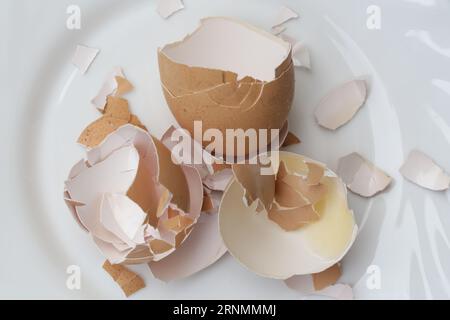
(230, 75)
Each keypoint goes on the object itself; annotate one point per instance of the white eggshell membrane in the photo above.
(240, 48)
(268, 250)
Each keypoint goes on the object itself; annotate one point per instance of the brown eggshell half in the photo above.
(218, 97)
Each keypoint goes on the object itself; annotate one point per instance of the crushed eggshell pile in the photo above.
(137, 205)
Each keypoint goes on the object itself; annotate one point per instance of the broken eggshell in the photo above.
(340, 105)
(204, 245)
(284, 15)
(166, 8)
(83, 57)
(361, 176)
(133, 200)
(423, 171)
(265, 248)
(230, 75)
(321, 284)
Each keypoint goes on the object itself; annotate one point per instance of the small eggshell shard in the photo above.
(315, 173)
(304, 285)
(258, 187)
(340, 105)
(121, 216)
(327, 277)
(166, 8)
(232, 75)
(219, 180)
(97, 131)
(423, 171)
(278, 30)
(284, 14)
(282, 171)
(291, 219)
(267, 249)
(123, 86)
(134, 120)
(83, 57)
(171, 139)
(117, 108)
(109, 86)
(203, 248)
(300, 56)
(128, 281)
(207, 204)
(361, 176)
(288, 197)
(313, 193)
(290, 140)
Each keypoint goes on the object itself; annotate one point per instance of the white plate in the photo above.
(404, 232)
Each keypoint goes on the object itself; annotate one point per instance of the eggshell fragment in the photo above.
(214, 172)
(258, 187)
(278, 30)
(304, 285)
(327, 277)
(315, 173)
(341, 104)
(268, 250)
(203, 247)
(312, 193)
(166, 8)
(108, 88)
(117, 108)
(423, 171)
(300, 56)
(288, 197)
(99, 129)
(116, 113)
(290, 140)
(83, 57)
(361, 176)
(128, 281)
(284, 14)
(207, 203)
(123, 86)
(218, 180)
(291, 219)
(229, 74)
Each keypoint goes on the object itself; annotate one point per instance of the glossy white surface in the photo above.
(405, 231)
